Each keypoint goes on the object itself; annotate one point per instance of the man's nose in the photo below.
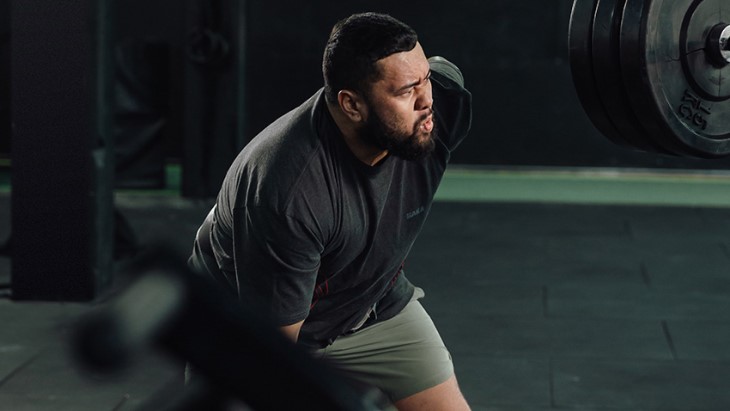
(425, 99)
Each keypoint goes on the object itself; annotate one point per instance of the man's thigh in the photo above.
(402, 356)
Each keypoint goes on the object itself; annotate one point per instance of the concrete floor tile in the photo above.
(621, 251)
(528, 261)
(700, 340)
(636, 302)
(673, 223)
(470, 262)
(493, 337)
(529, 271)
(37, 324)
(504, 382)
(689, 264)
(609, 339)
(54, 377)
(480, 299)
(500, 337)
(521, 262)
(530, 220)
(13, 358)
(708, 304)
(81, 402)
(609, 295)
(613, 301)
(650, 385)
(477, 269)
(478, 246)
(717, 217)
(691, 280)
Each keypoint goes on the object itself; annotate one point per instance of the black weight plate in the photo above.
(631, 36)
(581, 65)
(663, 95)
(607, 72)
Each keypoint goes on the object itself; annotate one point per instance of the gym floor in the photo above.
(554, 289)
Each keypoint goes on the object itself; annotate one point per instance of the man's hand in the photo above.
(292, 331)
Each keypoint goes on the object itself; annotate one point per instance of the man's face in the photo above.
(400, 106)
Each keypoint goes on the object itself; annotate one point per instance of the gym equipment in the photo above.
(654, 75)
(239, 353)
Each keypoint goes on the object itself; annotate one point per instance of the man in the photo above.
(317, 214)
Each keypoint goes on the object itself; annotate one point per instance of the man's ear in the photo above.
(352, 105)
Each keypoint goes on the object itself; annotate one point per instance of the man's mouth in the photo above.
(427, 125)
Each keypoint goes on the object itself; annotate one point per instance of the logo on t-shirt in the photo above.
(415, 212)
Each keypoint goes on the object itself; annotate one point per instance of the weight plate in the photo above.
(608, 77)
(669, 77)
(705, 74)
(581, 65)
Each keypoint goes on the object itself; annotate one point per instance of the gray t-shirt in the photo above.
(305, 231)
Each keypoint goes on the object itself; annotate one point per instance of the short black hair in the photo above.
(356, 44)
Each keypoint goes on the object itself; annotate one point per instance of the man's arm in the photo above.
(277, 260)
(452, 102)
(292, 331)
(447, 68)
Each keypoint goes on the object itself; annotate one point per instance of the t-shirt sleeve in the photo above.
(276, 259)
(452, 102)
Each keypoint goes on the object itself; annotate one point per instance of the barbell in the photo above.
(654, 75)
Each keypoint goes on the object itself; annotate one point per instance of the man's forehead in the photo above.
(404, 66)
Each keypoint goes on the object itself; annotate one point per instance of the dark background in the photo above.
(513, 55)
(4, 77)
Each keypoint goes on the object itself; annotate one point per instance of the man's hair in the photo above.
(355, 45)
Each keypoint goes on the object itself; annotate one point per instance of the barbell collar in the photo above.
(718, 45)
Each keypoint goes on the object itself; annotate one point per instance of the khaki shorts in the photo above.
(401, 356)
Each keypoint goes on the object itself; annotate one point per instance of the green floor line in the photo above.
(672, 189)
(575, 186)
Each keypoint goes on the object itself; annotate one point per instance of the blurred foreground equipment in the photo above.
(240, 354)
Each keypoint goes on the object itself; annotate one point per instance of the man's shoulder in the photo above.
(284, 159)
(291, 132)
(284, 146)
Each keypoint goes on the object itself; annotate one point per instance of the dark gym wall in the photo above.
(61, 204)
(147, 88)
(514, 57)
(513, 54)
(178, 79)
(4, 78)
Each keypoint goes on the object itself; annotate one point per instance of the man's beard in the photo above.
(407, 146)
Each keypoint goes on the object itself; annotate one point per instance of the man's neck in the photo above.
(364, 152)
